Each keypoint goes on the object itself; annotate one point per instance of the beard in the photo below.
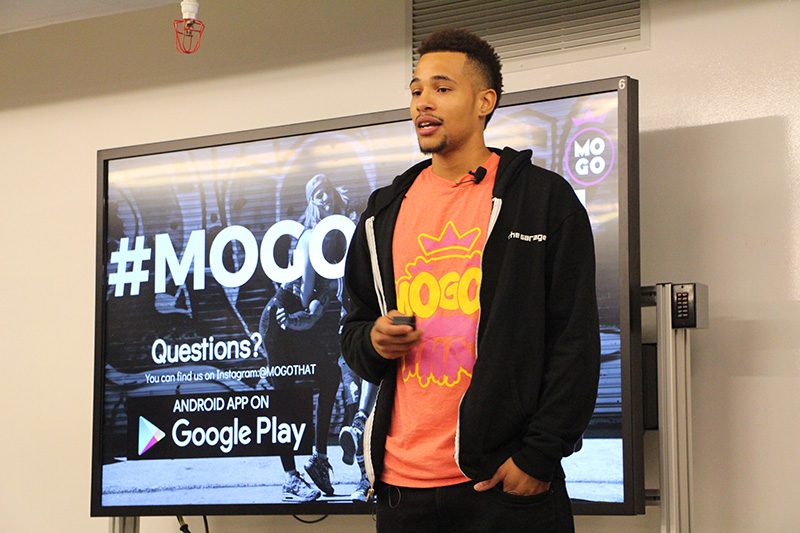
(434, 149)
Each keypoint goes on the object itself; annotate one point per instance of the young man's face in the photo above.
(447, 102)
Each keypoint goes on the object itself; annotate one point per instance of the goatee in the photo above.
(435, 149)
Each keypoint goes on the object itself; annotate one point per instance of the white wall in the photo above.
(720, 156)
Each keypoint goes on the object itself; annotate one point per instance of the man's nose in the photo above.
(423, 102)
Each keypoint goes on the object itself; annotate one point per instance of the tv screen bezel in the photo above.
(626, 89)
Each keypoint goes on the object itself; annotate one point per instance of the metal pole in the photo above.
(684, 397)
(123, 524)
(675, 422)
(666, 410)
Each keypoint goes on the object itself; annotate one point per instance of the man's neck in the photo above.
(453, 166)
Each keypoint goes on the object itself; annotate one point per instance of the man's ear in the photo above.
(487, 100)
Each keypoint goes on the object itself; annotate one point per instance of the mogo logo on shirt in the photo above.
(420, 293)
(441, 287)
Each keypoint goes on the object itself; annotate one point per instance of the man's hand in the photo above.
(390, 341)
(515, 481)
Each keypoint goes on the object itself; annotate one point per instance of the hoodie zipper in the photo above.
(497, 203)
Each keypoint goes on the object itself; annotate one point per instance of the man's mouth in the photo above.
(427, 125)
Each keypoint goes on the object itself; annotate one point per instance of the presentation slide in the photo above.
(224, 297)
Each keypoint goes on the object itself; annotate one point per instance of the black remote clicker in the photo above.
(405, 320)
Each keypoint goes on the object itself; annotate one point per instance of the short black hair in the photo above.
(480, 53)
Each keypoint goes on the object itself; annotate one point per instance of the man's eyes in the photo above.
(417, 92)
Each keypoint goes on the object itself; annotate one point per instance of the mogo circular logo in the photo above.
(590, 153)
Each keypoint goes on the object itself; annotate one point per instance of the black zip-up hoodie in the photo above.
(534, 383)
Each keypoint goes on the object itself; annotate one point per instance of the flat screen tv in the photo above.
(217, 364)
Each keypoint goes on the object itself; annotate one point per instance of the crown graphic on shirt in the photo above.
(449, 240)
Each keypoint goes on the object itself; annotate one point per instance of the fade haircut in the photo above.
(480, 55)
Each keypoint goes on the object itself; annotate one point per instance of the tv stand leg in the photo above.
(123, 524)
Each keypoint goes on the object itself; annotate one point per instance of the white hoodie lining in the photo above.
(376, 271)
(378, 282)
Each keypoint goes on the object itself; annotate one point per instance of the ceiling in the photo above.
(19, 15)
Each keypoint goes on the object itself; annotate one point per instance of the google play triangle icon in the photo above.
(149, 434)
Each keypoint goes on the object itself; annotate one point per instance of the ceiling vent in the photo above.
(535, 33)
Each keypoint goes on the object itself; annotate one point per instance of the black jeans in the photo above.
(460, 508)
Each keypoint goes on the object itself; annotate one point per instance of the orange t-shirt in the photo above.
(437, 247)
